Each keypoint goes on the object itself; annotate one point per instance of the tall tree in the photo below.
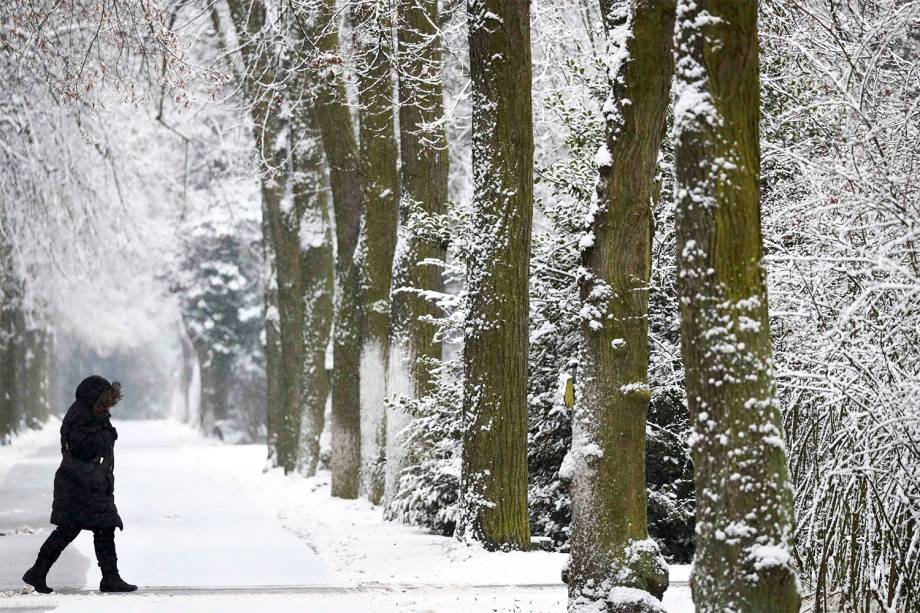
(744, 498)
(318, 19)
(494, 465)
(295, 221)
(610, 544)
(247, 25)
(423, 174)
(316, 263)
(372, 35)
(313, 229)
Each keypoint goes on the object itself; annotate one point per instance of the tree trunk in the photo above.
(187, 374)
(206, 397)
(283, 217)
(333, 119)
(423, 143)
(10, 316)
(494, 466)
(744, 498)
(372, 44)
(216, 371)
(273, 357)
(296, 231)
(36, 384)
(610, 544)
(315, 248)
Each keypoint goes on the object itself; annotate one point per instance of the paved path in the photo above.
(185, 526)
(25, 501)
(197, 539)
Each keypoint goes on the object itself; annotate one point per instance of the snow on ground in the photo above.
(209, 528)
(26, 443)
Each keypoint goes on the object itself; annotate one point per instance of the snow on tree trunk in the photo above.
(372, 48)
(744, 498)
(314, 247)
(494, 465)
(423, 144)
(610, 544)
(333, 119)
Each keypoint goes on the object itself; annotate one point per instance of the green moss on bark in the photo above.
(372, 50)
(494, 465)
(744, 498)
(332, 116)
(609, 516)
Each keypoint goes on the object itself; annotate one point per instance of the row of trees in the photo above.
(291, 74)
(348, 115)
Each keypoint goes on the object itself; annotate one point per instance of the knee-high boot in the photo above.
(50, 551)
(104, 542)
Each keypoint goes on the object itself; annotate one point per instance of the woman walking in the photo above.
(84, 486)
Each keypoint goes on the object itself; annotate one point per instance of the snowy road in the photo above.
(207, 530)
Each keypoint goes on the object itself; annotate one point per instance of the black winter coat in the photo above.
(84, 485)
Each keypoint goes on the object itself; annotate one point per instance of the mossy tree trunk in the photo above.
(372, 31)
(743, 494)
(610, 545)
(334, 122)
(494, 465)
(423, 174)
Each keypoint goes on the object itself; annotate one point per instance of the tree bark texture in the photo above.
(610, 544)
(372, 36)
(346, 177)
(494, 465)
(744, 498)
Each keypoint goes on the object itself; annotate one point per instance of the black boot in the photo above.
(104, 541)
(37, 577)
(51, 549)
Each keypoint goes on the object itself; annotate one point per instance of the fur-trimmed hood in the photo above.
(96, 391)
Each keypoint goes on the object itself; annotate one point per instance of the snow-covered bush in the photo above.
(841, 141)
(428, 491)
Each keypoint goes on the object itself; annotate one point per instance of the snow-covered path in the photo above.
(207, 530)
(187, 525)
